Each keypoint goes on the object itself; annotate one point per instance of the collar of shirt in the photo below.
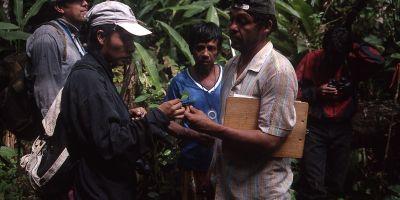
(256, 63)
(71, 27)
(259, 59)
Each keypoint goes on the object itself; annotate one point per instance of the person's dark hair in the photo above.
(337, 40)
(262, 20)
(204, 32)
(108, 29)
(337, 43)
(64, 2)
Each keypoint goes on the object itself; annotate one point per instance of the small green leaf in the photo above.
(395, 56)
(185, 94)
(7, 152)
(167, 152)
(141, 98)
(153, 105)
(153, 195)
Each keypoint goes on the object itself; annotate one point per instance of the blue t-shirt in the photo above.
(195, 156)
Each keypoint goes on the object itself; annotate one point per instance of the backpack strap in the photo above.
(61, 32)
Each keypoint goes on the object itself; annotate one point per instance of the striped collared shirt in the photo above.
(270, 77)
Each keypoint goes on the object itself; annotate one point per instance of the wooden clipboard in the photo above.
(242, 113)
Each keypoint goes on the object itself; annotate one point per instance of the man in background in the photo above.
(53, 49)
(328, 81)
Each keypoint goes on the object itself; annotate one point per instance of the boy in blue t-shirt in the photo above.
(201, 84)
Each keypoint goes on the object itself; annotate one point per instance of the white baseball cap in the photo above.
(114, 12)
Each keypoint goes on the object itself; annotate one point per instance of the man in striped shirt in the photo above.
(243, 166)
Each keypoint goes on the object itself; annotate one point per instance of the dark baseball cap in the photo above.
(257, 6)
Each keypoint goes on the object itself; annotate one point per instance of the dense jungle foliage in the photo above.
(375, 161)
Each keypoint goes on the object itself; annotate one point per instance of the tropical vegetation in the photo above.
(375, 160)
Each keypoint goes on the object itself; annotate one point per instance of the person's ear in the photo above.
(267, 28)
(100, 37)
(59, 9)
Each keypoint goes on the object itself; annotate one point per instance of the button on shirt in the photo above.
(270, 77)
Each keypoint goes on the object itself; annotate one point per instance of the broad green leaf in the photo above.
(223, 14)
(141, 98)
(189, 22)
(185, 7)
(190, 13)
(7, 26)
(283, 7)
(18, 11)
(14, 35)
(146, 9)
(150, 65)
(395, 189)
(301, 45)
(178, 41)
(203, 5)
(32, 12)
(395, 56)
(305, 12)
(212, 15)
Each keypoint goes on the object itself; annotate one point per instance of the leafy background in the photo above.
(375, 159)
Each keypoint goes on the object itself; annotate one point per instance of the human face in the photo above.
(244, 31)
(74, 11)
(205, 53)
(118, 48)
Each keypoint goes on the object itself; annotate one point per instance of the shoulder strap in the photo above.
(61, 32)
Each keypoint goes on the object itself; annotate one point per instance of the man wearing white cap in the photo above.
(101, 132)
